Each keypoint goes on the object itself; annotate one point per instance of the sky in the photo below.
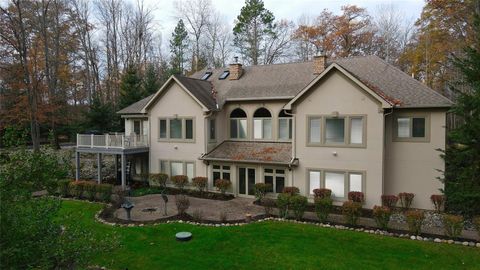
(165, 14)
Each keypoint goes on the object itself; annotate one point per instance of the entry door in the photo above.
(246, 181)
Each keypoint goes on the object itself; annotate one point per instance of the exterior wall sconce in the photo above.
(334, 153)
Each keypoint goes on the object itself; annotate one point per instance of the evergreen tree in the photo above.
(130, 87)
(150, 81)
(102, 117)
(462, 156)
(254, 23)
(178, 46)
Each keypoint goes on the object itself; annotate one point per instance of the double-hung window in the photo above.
(411, 128)
(176, 129)
(339, 182)
(182, 168)
(262, 124)
(275, 178)
(220, 172)
(238, 124)
(344, 130)
(212, 133)
(284, 126)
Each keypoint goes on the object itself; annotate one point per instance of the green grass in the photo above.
(268, 245)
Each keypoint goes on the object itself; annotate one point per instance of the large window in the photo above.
(339, 182)
(176, 129)
(284, 126)
(411, 128)
(173, 168)
(238, 124)
(275, 178)
(220, 172)
(336, 130)
(212, 133)
(262, 124)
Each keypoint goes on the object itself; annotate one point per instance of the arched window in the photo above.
(262, 124)
(238, 124)
(284, 126)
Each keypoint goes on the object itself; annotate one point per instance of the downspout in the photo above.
(205, 133)
(294, 149)
(385, 146)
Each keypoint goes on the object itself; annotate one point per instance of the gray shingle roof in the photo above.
(248, 151)
(287, 80)
(136, 107)
(201, 89)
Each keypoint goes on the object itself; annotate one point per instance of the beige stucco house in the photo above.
(353, 124)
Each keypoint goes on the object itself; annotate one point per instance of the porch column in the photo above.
(99, 168)
(124, 175)
(116, 167)
(77, 165)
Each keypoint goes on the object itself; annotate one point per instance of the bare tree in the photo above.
(277, 46)
(196, 13)
(218, 41)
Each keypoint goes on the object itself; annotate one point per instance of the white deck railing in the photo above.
(111, 141)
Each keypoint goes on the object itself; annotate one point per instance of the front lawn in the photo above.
(269, 245)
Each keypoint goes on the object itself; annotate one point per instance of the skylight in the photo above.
(206, 75)
(224, 75)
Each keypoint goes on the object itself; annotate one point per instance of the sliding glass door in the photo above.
(246, 181)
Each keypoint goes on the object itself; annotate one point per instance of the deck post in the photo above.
(99, 168)
(77, 165)
(116, 167)
(124, 175)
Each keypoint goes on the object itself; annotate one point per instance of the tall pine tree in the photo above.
(462, 156)
(130, 87)
(253, 24)
(151, 82)
(178, 46)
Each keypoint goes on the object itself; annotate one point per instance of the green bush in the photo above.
(90, 190)
(76, 188)
(382, 215)
(453, 225)
(283, 201)
(158, 180)
(351, 211)
(268, 204)
(323, 206)
(223, 185)
(63, 187)
(200, 183)
(406, 199)
(415, 221)
(180, 181)
(105, 192)
(298, 204)
(261, 190)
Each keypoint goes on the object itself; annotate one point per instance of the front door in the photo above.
(246, 181)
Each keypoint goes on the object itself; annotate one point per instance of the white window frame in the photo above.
(168, 164)
(347, 131)
(346, 174)
(184, 129)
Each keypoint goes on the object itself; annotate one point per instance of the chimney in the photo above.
(235, 69)
(319, 63)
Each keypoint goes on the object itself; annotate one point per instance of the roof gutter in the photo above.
(259, 98)
(203, 157)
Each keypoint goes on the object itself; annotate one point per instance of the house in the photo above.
(352, 124)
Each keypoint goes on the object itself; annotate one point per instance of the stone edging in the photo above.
(338, 227)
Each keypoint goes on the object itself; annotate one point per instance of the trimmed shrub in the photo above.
(200, 183)
(323, 206)
(62, 186)
(283, 200)
(261, 190)
(453, 225)
(223, 185)
(90, 190)
(158, 180)
(197, 215)
(406, 199)
(438, 201)
(291, 190)
(183, 203)
(356, 196)
(76, 188)
(382, 214)
(389, 201)
(351, 211)
(415, 221)
(268, 204)
(476, 224)
(320, 193)
(180, 181)
(298, 204)
(105, 192)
